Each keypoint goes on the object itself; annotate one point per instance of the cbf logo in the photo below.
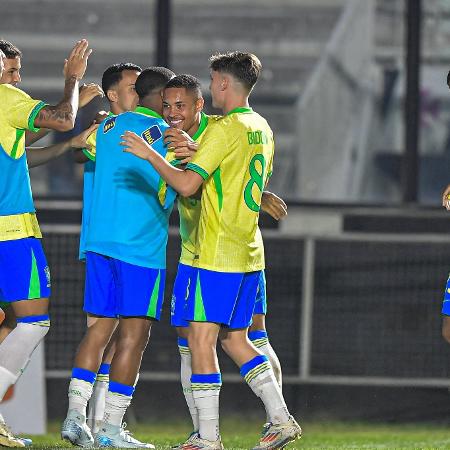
(47, 275)
(152, 134)
(109, 124)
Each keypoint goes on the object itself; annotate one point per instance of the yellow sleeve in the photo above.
(92, 142)
(212, 151)
(19, 108)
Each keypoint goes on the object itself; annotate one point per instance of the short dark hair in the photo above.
(152, 79)
(10, 51)
(448, 79)
(113, 74)
(244, 67)
(188, 82)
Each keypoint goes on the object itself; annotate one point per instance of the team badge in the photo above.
(109, 124)
(152, 134)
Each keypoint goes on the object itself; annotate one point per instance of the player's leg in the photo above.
(25, 283)
(96, 408)
(256, 369)
(446, 328)
(99, 302)
(140, 297)
(180, 289)
(446, 312)
(257, 332)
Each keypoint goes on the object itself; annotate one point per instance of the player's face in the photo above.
(181, 109)
(216, 88)
(126, 97)
(11, 71)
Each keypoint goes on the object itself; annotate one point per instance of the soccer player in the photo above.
(24, 273)
(118, 84)
(125, 265)
(233, 163)
(182, 109)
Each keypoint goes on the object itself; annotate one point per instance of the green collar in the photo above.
(147, 112)
(110, 114)
(241, 109)
(201, 127)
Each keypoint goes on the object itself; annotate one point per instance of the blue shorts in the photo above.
(261, 297)
(446, 302)
(24, 272)
(224, 298)
(115, 288)
(179, 296)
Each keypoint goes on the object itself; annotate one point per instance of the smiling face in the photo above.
(11, 71)
(182, 108)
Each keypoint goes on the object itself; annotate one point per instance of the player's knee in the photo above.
(200, 342)
(446, 331)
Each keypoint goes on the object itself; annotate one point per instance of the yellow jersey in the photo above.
(17, 114)
(235, 159)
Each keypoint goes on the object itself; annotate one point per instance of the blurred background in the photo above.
(355, 91)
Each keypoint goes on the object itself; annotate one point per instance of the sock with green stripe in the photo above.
(18, 346)
(260, 377)
(260, 340)
(80, 389)
(97, 401)
(185, 375)
(206, 391)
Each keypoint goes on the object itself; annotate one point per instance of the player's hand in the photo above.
(88, 92)
(446, 198)
(135, 145)
(101, 116)
(80, 141)
(273, 205)
(75, 65)
(179, 142)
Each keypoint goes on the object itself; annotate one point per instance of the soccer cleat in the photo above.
(279, 435)
(191, 436)
(7, 438)
(195, 442)
(75, 430)
(114, 436)
(26, 441)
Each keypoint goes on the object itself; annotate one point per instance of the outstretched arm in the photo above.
(185, 182)
(37, 156)
(62, 116)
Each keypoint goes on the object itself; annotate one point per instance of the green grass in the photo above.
(239, 434)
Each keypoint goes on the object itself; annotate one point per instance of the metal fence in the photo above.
(351, 309)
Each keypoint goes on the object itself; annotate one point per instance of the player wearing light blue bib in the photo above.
(125, 257)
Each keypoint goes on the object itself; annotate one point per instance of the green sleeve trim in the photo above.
(202, 172)
(33, 115)
(218, 184)
(201, 127)
(88, 154)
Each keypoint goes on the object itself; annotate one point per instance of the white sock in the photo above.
(185, 374)
(115, 407)
(97, 403)
(17, 348)
(206, 391)
(260, 340)
(80, 392)
(260, 377)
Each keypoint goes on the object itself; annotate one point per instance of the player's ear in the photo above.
(112, 96)
(224, 83)
(199, 104)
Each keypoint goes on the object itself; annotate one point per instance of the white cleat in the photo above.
(195, 442)
(114, 436)
(7, 438)
(279, 435)
(75, 430)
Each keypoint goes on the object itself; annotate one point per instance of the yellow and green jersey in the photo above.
(235, 159)
(188, 207)
(17, 114)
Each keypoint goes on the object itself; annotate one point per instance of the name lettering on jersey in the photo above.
(152, 134)
(257, 137)
(109, 124)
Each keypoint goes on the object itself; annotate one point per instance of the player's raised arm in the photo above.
(185, 182)
(61, 117)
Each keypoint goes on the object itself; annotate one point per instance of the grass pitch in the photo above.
(241, 434)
